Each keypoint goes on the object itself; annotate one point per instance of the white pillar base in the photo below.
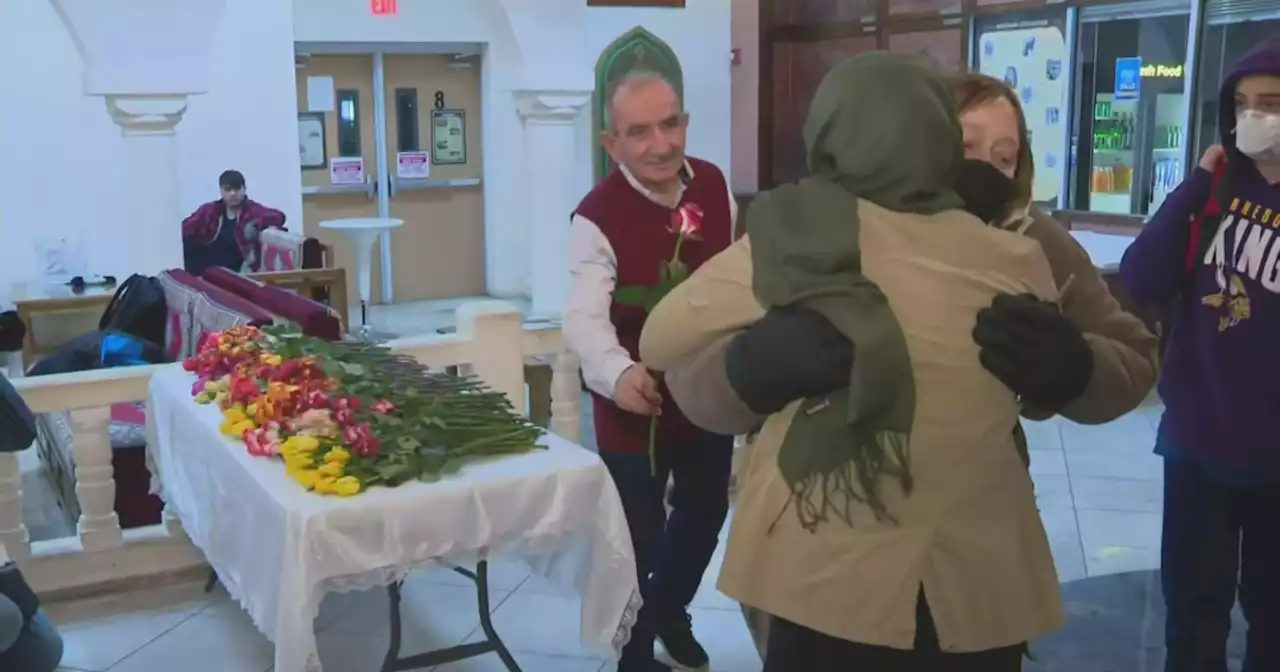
(550, 148)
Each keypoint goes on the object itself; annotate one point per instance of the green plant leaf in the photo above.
(352, 369)
(331, 368)
(631, 295)
(677, 273)
(408, 443)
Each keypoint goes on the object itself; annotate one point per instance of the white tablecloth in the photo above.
(278, 548)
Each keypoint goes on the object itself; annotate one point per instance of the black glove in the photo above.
(791, 353)
(1034, 350)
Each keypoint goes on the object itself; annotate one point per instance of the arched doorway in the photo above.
(636, 49)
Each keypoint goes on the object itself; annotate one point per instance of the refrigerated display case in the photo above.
(1131, 106)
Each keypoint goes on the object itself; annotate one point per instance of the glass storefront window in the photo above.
(1029, 52)
(1233, 28)
(1129, 125)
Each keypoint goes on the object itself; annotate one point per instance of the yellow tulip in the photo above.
(325, 485)
(298, 461)
(302, 444)
(332, 469)
(235, 414)
(347, 486)
(308, 478)
(236, 429)
(337, 454)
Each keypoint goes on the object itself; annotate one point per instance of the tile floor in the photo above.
(1098, 490)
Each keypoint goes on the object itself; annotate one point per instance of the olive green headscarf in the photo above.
(883, 128)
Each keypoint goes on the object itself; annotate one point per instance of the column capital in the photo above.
(142, 46)
(551, 105)
(146, 115)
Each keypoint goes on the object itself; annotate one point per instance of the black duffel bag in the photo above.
(138, 308)
(17, 423)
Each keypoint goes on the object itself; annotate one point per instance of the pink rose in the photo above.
(686, 221)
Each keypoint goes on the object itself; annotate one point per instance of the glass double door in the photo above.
(426, 172)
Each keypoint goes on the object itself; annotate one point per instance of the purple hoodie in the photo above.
(1221, 375)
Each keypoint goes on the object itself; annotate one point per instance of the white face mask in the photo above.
(1258, 134)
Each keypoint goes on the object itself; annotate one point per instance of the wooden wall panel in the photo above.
(798, 68)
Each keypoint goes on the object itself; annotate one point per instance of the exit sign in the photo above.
(382, 7)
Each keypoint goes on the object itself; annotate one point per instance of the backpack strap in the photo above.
(1201, 237)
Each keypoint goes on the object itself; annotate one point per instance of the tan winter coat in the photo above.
(1125, 357)
(969, 532)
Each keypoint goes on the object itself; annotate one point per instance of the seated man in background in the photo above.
(225, 232)
(29, 641)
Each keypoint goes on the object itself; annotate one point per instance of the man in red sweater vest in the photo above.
(621, 234)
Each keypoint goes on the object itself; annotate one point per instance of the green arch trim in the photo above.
(636, 49)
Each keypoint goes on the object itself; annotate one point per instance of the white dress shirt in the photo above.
(593, 271)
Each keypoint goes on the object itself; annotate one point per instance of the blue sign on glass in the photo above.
(1128, 77)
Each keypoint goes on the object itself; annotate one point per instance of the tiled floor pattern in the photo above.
(1099, 491)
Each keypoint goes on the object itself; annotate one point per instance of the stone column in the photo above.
(150, 174)
(145, 58)
(550, 150)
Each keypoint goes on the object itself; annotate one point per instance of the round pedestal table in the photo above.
(363, 232)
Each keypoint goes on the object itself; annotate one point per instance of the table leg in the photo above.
(491, 644)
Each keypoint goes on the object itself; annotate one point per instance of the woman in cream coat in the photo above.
(889, 525)
(807, 357)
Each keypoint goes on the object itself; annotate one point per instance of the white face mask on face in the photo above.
(1258, 135)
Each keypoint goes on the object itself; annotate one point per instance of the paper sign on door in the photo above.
(346, 170)
(413, 165)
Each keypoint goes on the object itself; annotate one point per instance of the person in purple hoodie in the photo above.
(1213, 250)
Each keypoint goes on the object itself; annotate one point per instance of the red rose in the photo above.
(686, 221)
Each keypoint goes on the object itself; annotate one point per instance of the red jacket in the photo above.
(201, 227)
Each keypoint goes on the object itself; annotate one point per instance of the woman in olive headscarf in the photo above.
(889, 526)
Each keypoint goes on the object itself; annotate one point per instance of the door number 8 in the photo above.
(439, 100)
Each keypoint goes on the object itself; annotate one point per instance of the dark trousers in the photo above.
(794, 647)
(672, 551)
(1218, 541)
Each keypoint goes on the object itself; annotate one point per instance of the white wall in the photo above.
(540, 44)
(700, 36)
(61, 150)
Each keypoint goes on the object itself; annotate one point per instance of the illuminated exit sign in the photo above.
(382, 7)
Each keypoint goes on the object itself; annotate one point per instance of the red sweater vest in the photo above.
(639, 232)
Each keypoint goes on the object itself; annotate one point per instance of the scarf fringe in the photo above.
(855, 482)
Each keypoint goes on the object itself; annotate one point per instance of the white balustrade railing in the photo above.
(491, 341)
